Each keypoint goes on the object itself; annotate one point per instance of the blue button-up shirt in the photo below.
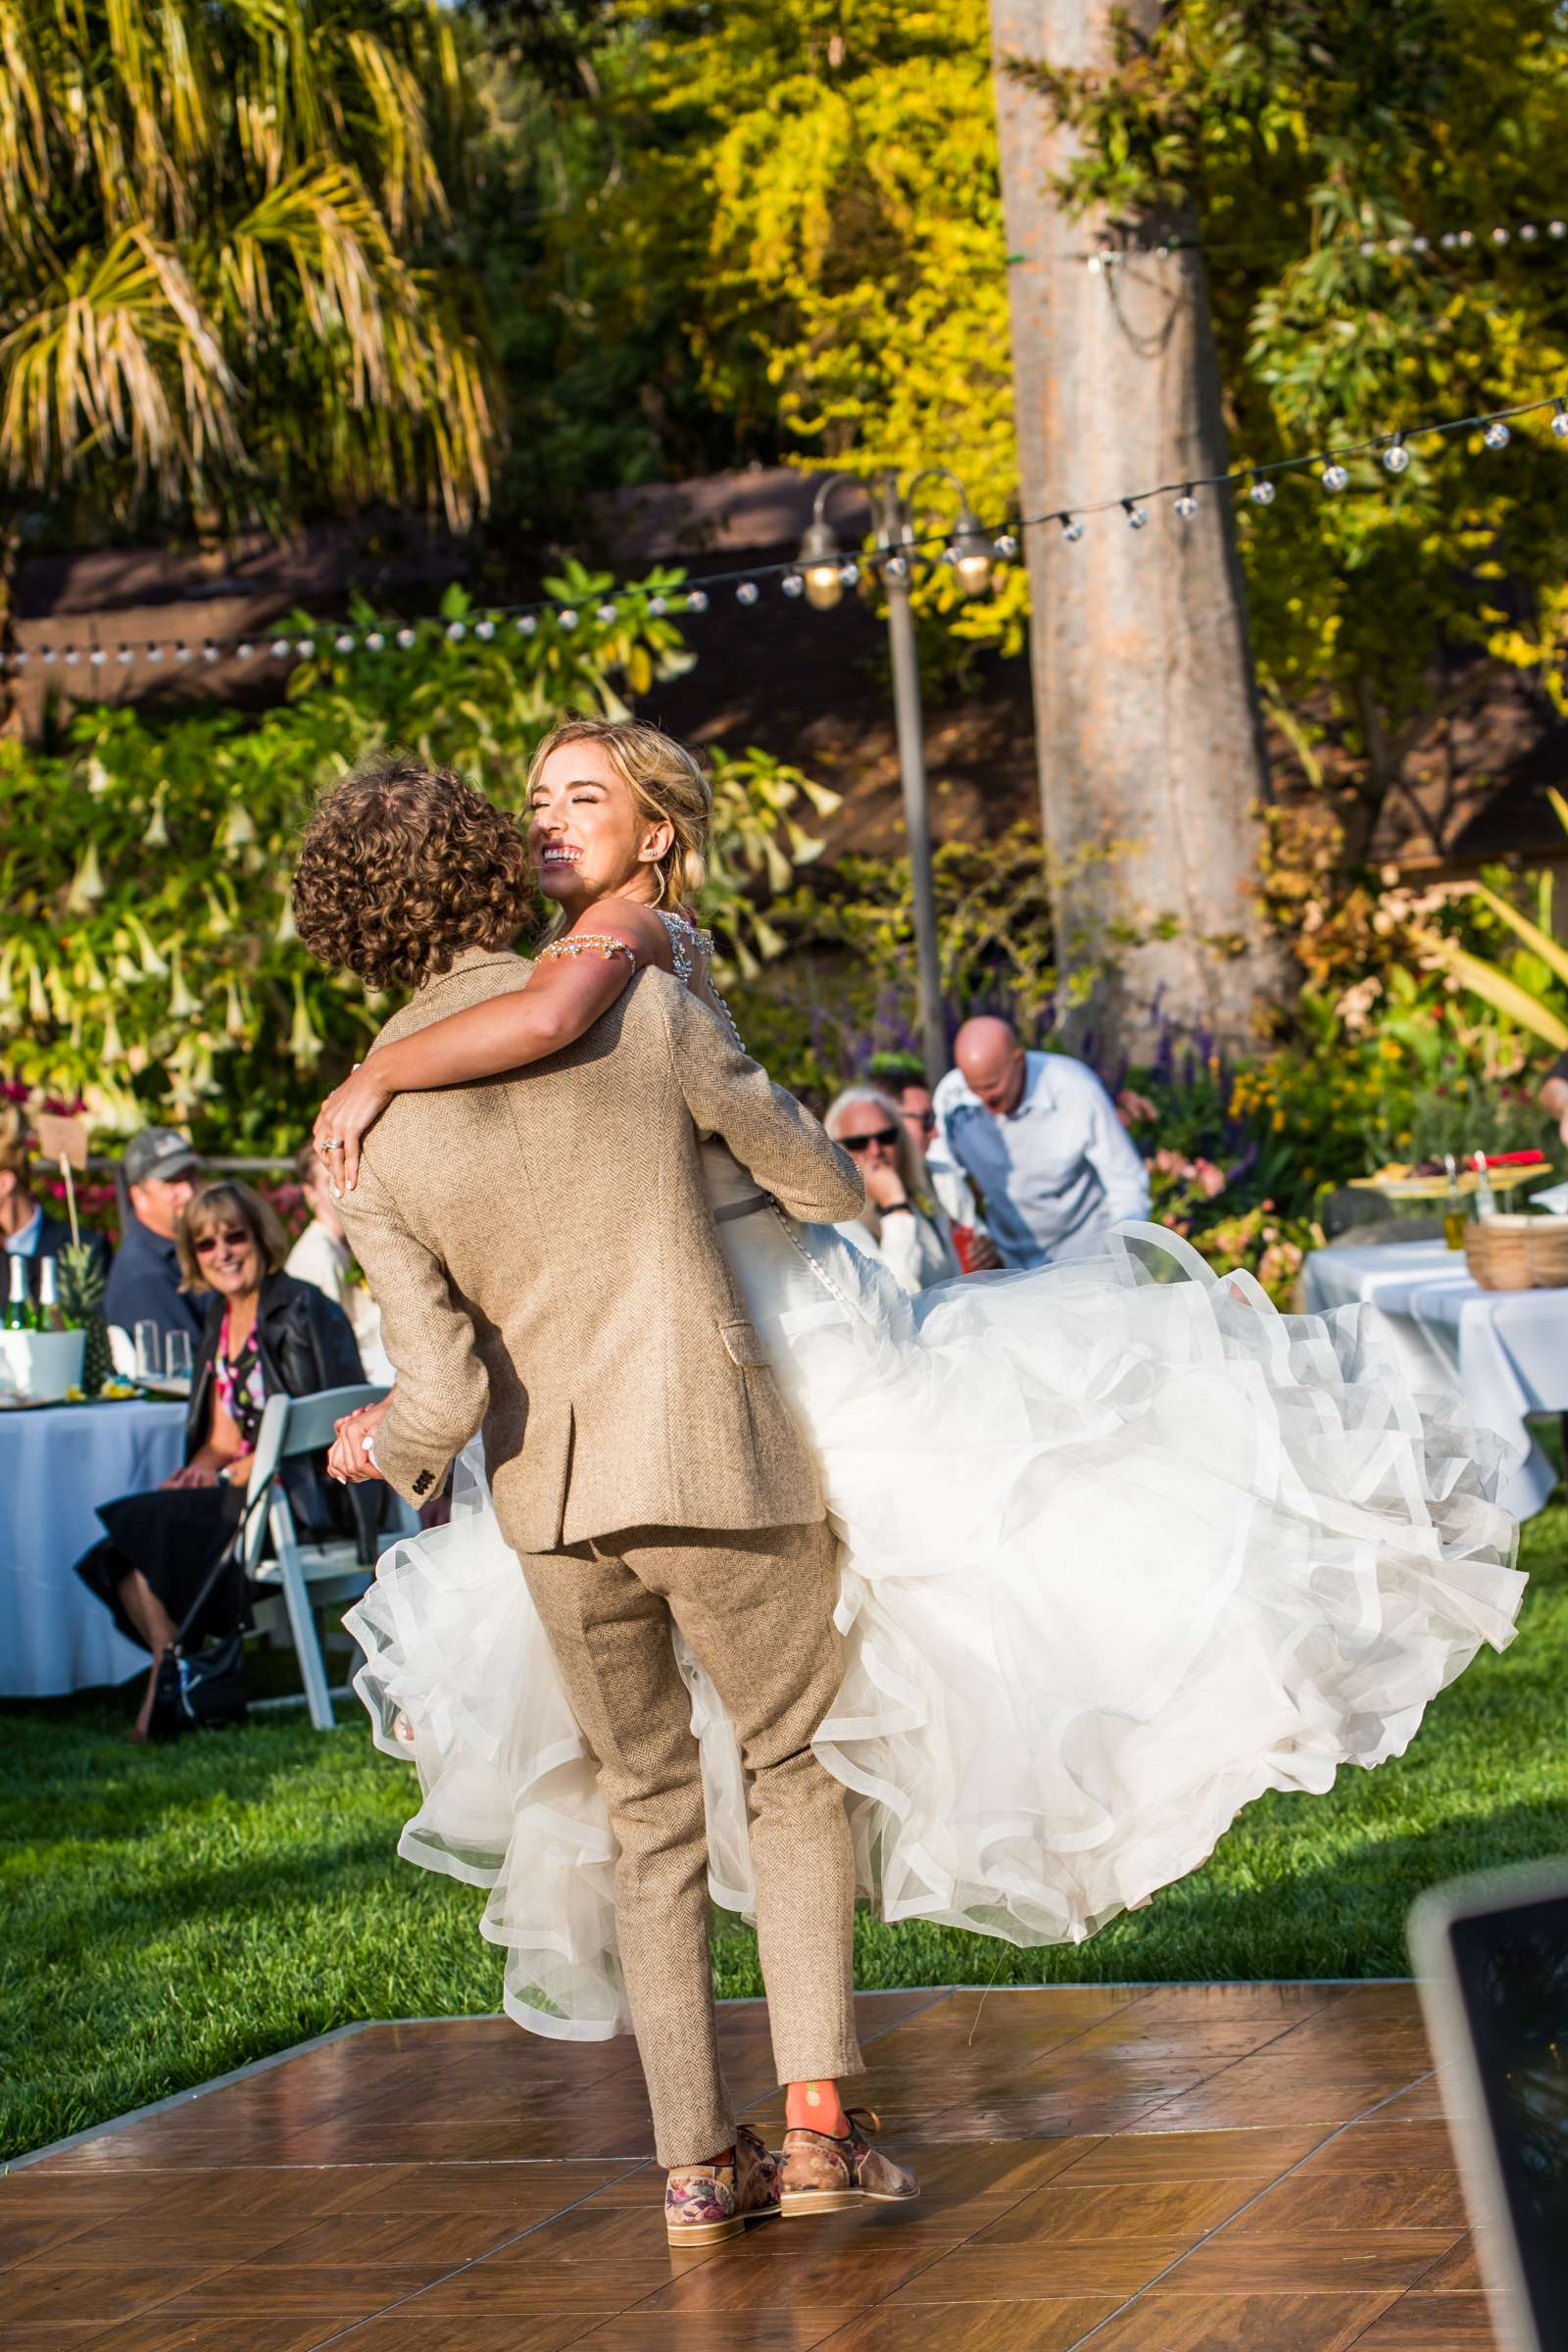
(1058, 1172)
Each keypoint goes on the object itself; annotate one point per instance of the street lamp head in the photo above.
(819, 562)
(973, 552)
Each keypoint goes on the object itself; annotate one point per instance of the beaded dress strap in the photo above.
(588, 943)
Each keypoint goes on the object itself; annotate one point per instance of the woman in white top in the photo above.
(902, 1224)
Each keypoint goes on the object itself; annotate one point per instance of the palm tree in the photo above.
(224, 286)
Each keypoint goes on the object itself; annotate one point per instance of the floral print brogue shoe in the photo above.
(705, 2203)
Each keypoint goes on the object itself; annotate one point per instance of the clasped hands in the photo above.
(348, 1460)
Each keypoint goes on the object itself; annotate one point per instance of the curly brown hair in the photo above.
(404, 866)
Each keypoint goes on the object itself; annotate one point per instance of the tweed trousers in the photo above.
(756, 1606)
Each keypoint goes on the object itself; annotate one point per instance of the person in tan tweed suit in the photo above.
(547, 1267)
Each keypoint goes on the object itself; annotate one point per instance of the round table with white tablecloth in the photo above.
(1503, 1353)
(57, 1464)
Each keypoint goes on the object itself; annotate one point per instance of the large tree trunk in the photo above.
(1146, 715)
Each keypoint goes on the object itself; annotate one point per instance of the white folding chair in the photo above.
(306, 1575)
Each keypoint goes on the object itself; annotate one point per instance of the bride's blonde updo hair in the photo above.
(667, 784)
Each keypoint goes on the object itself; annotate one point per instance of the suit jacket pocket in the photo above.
(745, 1346)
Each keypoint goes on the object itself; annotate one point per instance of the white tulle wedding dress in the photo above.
(1122, 1547)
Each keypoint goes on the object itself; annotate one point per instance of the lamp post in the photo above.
(825, 573)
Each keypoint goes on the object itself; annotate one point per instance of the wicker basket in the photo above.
(1497, 1253)
(1547, 1249)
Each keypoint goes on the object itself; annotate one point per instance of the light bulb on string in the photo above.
(406, 638)
(1557, 228)
(1072, 530)
(793, 584)
(1497, 434)
(1261, 491)
(1335, 476)
(373, 641)
(457, 630)
(182, 653)
(1447, 240)
(155, 654)
(343, 643)
(1006, 546)
(1397, 458)
(280, 650)
(975, 553)
(566, 616)
(1528, 232)
(849, 575)
(747, 593)
(1187, 504)
(485, 630)
(896, 569)
(525, 624)
(97, 656)
(1420, 245)
(50, 656)
(306, 648)
(1136, 517)
(607, 613)
(1468, 236)
(125, 657)
(1499, 236)
(1559, 417)
(697, 602)
(208, 650)
(657, 608)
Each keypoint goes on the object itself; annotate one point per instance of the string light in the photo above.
(822, 578)
(607, 613)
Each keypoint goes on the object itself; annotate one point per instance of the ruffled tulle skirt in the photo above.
(1122, 1547)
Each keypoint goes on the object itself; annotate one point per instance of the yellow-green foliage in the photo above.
(149, 959)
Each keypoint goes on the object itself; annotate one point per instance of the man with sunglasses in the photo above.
(902, 1076)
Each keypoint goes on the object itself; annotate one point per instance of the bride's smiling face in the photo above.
(586, 836)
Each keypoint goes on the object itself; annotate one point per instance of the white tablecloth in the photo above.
(56, 1466)
(1505, 1354)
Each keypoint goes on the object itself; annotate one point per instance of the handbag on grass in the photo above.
(199, 1690)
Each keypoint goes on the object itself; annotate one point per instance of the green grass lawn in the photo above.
(171, 1913)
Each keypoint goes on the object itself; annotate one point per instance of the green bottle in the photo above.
(18, 1315)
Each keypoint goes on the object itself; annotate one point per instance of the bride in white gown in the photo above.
(1121, 1545)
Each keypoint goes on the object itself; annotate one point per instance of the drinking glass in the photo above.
(149, 1354)
(176, 1354)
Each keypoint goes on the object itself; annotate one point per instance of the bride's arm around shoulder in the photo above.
(574, 979)
(772, 1134)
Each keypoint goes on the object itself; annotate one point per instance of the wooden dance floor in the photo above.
(1223, 2168)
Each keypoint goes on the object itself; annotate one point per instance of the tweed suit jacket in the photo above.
(547, 1267)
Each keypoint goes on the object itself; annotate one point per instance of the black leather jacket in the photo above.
(307, 1344)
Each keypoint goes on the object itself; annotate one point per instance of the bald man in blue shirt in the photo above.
(1038, 1136)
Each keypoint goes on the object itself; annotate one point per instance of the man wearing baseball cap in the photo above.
(158, 1175)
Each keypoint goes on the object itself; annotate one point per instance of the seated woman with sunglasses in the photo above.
(903, 1223)
(264, 1332)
